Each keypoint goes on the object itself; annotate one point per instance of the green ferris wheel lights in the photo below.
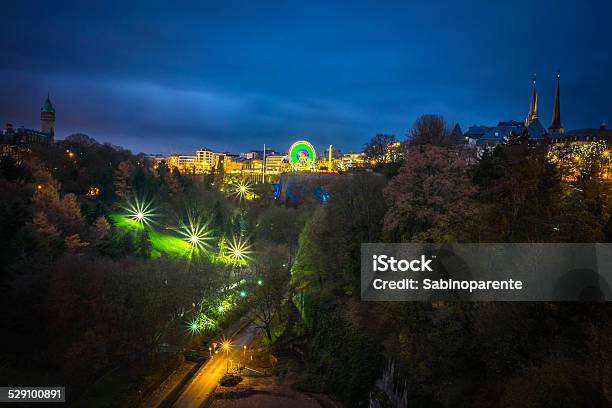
(302, 155)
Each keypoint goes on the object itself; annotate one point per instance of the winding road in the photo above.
(203, 384)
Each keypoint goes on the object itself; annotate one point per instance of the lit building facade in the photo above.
(206, 158)
(275, 164)
(254, 162)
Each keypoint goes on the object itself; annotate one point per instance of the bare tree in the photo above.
(430, 129)
(376, 148)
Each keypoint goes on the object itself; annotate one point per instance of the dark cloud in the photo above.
(161, 77)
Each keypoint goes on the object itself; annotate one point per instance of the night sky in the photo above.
(168, 77)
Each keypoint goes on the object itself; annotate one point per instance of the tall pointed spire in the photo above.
(47, 106)
(533, 107)
(555, 124)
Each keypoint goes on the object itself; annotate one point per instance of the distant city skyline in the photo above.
(157, 78)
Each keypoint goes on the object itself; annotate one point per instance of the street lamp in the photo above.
(226, 346)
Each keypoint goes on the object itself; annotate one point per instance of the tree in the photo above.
(144, 246)
(219, 174)
(280, 225)
(524, 199)
(124, 175)
(69, 208)
(174, 182)
(73, 243)
(557, 383)
(431, 129)
(329, 244)
(218, 218)
(11, 170)
(268, 292)
(433, 198)
(376, 149)
(102, 227)
(81, 138)
(344, 360)
(42, 225)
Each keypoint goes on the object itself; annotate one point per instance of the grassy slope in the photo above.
(161, 243)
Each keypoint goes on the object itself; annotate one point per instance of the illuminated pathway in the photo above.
(204, 383)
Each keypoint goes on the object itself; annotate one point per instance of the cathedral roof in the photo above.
(494, 134)
(456, 132)
(476, 131)
(536, 129)
(512, 123)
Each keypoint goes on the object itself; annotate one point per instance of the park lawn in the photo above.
(124, 222)
(160, 243)
(168, 244)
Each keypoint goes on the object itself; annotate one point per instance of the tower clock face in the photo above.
(302, 155)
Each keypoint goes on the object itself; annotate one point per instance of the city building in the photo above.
(586, 135)
(206, 157)
(23, 136)
(275, 164)
(254, 162)
(301, 156)
(351, 160)
(183, 163)
(394, 149)
(492, 135)
(258, 154)
(253, 154)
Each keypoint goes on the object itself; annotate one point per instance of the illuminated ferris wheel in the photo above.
(302, 156)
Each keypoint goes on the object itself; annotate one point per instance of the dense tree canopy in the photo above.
(100, 288)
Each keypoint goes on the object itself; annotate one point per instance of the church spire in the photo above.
(533, 107)
(555, 125)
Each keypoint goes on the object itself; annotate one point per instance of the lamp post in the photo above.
(226, 347)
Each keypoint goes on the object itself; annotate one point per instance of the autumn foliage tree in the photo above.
(124, 179)
(432, 199)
